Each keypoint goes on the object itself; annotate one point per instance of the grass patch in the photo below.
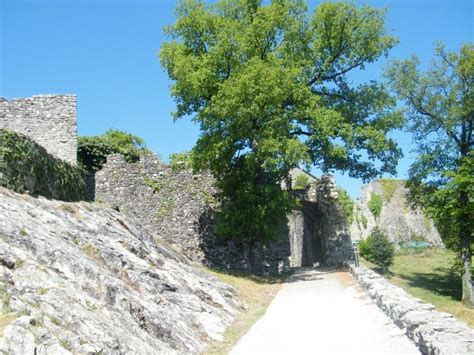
(428, 274)
(256, 292)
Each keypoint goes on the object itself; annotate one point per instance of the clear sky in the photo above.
(105, 52)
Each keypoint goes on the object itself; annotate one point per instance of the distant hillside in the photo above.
(384, 204)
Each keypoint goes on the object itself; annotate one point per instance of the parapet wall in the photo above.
(50, 120)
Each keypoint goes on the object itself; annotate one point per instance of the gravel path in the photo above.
(323, 312)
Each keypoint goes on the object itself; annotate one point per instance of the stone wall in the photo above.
(179, 208)
(50, 120)
(317, 230)
(27, 167)
(433, 332)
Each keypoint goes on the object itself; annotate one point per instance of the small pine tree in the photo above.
(378, 249)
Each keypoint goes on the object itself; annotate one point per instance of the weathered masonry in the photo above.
(317, 229)
(50, 120)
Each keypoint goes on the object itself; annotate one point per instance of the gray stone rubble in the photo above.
(435, 333)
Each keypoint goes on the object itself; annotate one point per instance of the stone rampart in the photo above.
(50, 120)
(179, 208)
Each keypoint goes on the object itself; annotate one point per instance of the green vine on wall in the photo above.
(25, 166)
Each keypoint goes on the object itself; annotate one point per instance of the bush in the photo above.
(378, 249)
(375, 204)
(301, 182)
(92, 151)
(181, 161)
(347, 205)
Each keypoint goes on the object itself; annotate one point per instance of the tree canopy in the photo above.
(440, 106)
(268, 84)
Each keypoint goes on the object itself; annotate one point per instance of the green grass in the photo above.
(256, 293)
(429, 275)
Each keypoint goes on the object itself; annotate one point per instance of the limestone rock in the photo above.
(80, 278)
(397, 219)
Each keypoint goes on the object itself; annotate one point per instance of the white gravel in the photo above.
(323, 312)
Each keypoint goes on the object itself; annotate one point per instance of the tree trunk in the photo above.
(466, 252)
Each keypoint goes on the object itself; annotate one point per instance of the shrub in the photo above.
(301, 182)
(347, 205)
(92, 151)
(375, 204)
(378, 249)
(181, 161)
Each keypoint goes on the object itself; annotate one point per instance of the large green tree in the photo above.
(440, 105)
(268, 84)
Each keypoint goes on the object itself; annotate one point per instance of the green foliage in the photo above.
(375, 204)
(268, 85)
(378, 249)
(156, 185)
(364, 221)
(389, 186)
(252, 211)
(301, 182)
(26, 166)
(347, 205)
(92, 151)
(440, 104)
(181, 161)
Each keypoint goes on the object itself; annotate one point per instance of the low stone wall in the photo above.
(432, 331)
(27, 167)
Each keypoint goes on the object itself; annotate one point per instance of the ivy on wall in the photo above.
(25, 166)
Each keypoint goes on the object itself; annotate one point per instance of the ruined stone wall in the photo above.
(50, 120)
(318, 230)
(179, 208)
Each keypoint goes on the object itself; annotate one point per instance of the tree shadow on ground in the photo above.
(443, 281)
(270, 279)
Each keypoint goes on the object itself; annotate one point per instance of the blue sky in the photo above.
(105, 52)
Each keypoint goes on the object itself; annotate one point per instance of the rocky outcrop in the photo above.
(396, 218)
(433, 332)
(80, 278)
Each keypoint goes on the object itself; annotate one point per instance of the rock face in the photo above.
(50, 120)
(79, 278)
(433, 332)
(397, 219)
